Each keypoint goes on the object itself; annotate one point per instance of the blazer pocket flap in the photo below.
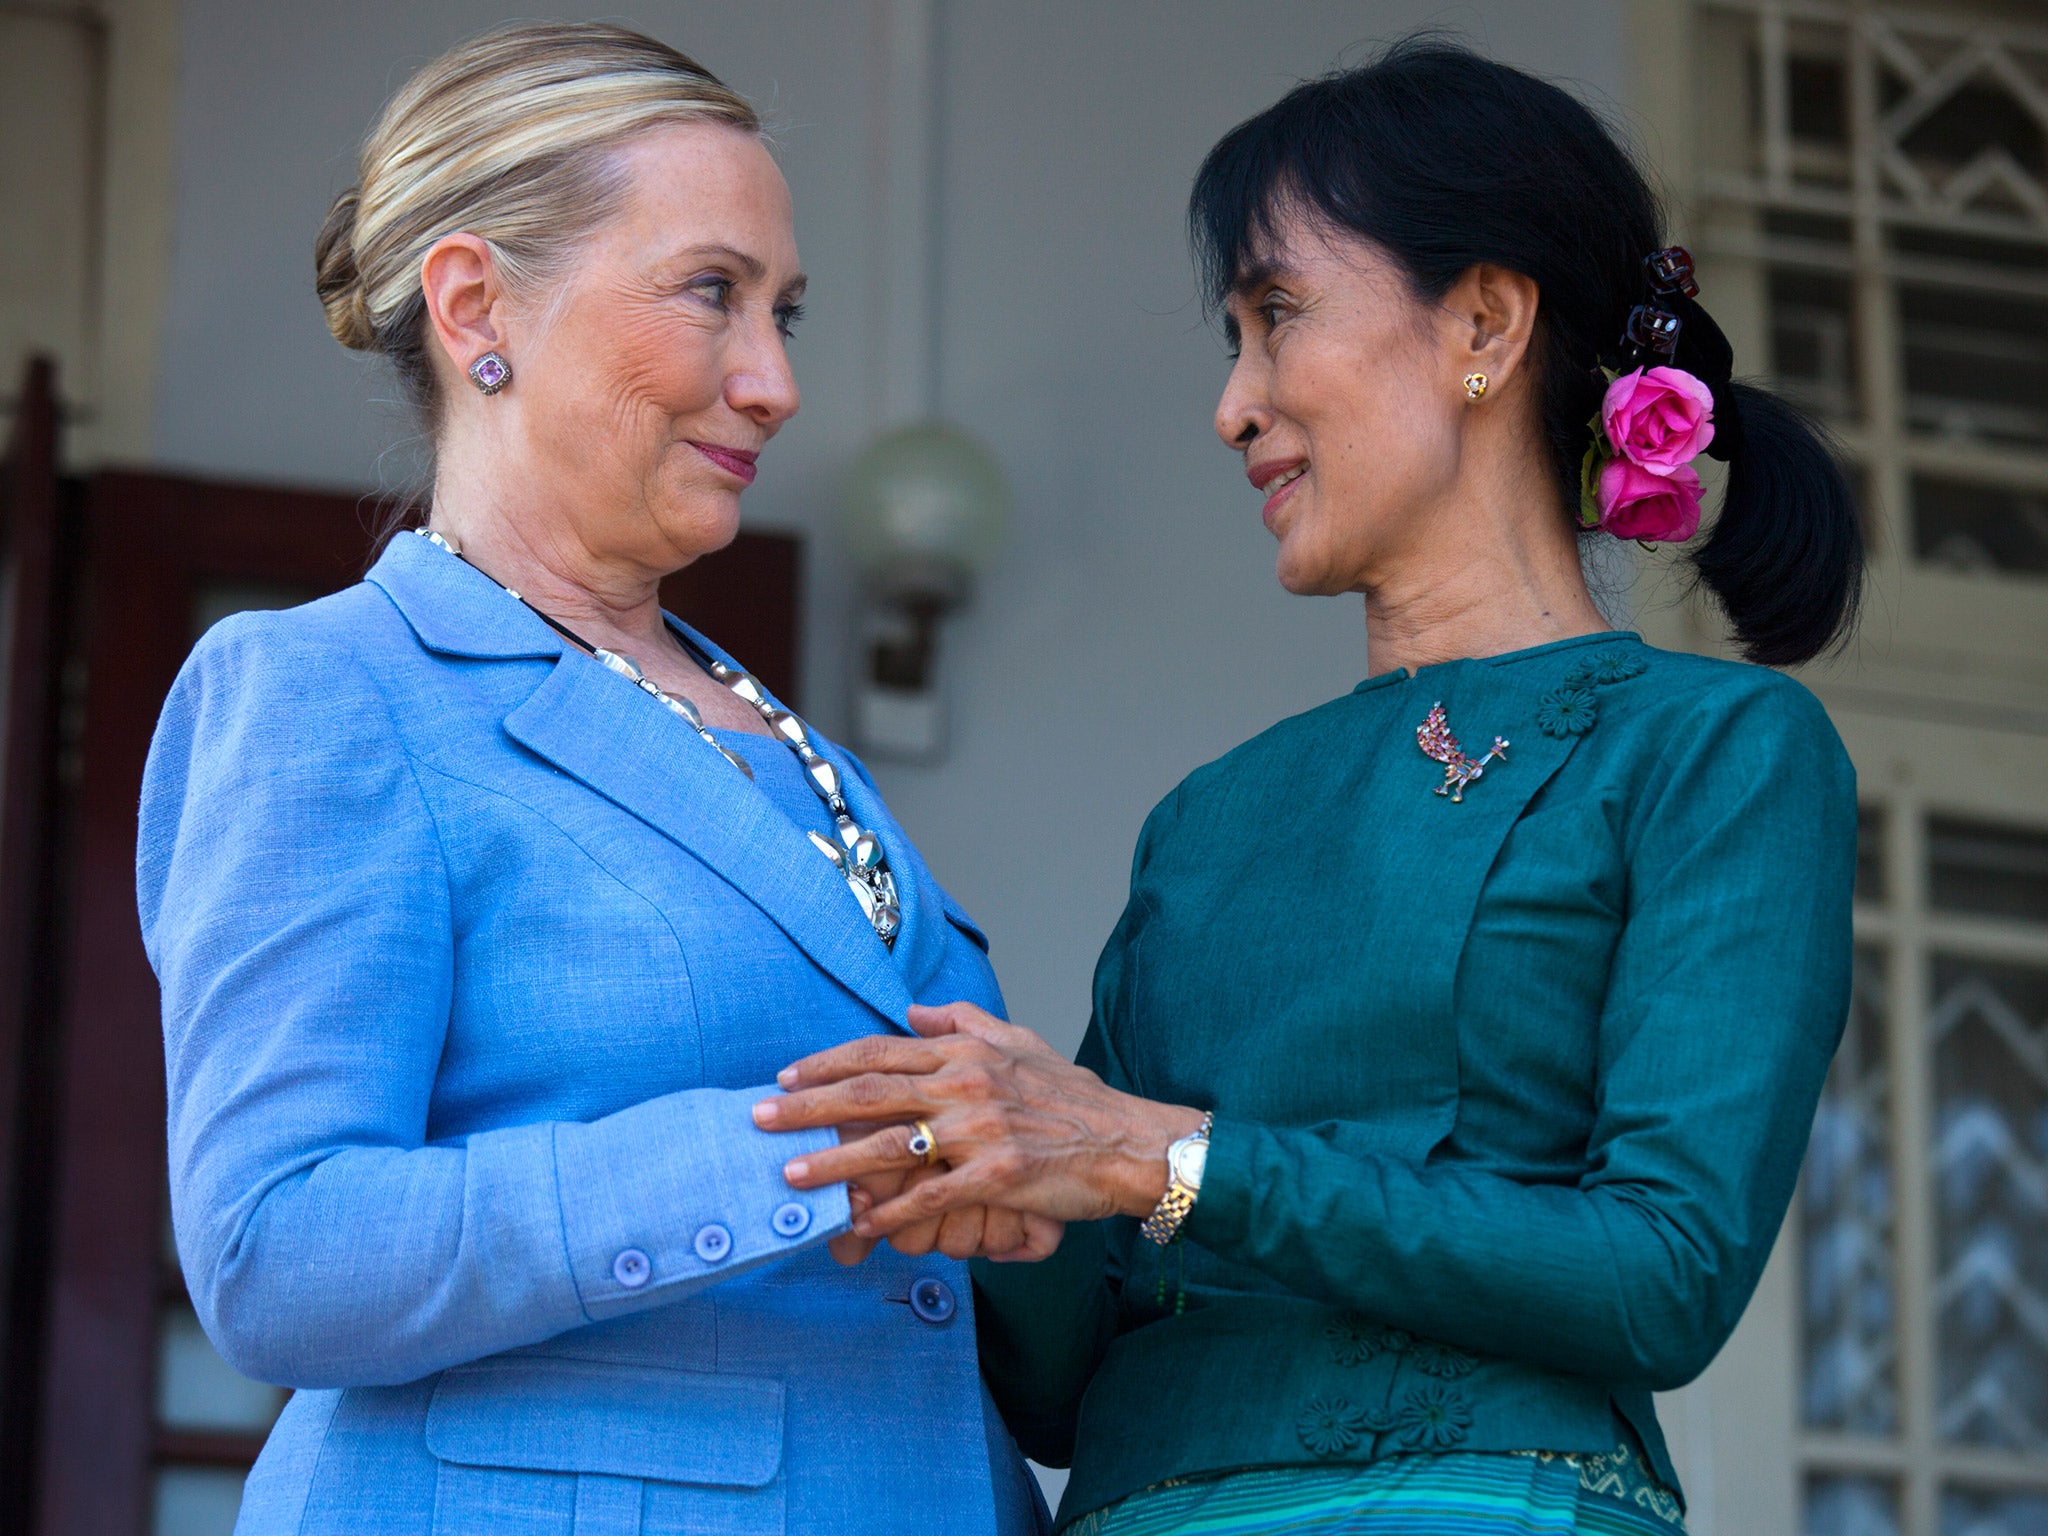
(538, 1414)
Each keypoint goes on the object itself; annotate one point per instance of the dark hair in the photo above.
(1446, 160)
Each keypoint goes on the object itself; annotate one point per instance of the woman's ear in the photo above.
(1499, 307)
(463, 298)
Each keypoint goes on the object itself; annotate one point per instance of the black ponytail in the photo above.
(1785, 555)
(1446, 160)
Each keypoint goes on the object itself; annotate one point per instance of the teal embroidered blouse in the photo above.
(1510, 1091)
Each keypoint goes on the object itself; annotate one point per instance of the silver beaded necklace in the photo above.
(858, 855)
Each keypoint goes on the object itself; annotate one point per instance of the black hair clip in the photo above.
(1651, 329)
(1670, 271)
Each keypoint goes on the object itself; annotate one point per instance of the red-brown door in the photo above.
(142, 1427)
(163, 557)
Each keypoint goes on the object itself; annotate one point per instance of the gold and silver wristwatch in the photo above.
(1185, 1161)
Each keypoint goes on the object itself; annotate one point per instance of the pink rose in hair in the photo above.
(1656, 508)
(1659, 419)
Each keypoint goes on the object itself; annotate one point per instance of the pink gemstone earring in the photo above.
(490, 373)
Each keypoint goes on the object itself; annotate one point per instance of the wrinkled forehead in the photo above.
(705, 187)
(713, 180)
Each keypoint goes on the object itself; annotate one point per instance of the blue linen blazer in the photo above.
(474, 961)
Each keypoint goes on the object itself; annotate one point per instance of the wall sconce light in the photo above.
(925, 507)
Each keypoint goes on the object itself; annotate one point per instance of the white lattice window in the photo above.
(1922, 1224)
(1876, 215)
(1867, 188)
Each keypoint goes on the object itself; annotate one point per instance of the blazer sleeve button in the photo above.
(713, 1243)
(932, 1300)
(790, 1220)
(631, 1268)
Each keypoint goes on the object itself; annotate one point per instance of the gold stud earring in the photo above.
(1475, 385)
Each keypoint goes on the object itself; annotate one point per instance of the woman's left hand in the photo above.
(965, 1232)
(1018, 1125)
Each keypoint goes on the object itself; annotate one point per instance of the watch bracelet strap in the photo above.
(1164, 1223)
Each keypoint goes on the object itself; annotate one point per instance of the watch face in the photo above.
(1190, 1159)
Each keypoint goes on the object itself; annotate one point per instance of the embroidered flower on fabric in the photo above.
(1395, 1341)
(1441, 1360)
(1567, 712)
(1604, 670)
(1353, 1339)
(1330, 1426)
(1434, 1418)
(1611, 667)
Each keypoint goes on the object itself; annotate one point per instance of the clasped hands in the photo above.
(1027, 1140)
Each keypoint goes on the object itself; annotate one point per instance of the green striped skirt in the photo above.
(1457, 1494)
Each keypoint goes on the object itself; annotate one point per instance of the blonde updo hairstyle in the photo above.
(509, 137)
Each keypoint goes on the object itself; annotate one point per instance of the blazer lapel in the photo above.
(921, 938)
(920, 942)
(454, 608)
(598, 727)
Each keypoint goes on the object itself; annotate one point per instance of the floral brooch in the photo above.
(1567, 710)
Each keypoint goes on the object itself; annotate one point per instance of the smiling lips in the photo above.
(737, 462)
(1276, 478)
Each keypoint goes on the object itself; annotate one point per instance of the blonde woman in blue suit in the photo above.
(487, 900)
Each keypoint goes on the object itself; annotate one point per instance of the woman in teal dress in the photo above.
(1452, 1062)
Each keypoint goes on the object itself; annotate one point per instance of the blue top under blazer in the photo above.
(474, 960)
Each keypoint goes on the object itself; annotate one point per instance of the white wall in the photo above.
(1133, 629)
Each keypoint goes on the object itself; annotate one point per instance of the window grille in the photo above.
(1883, 185)
(1890, 174)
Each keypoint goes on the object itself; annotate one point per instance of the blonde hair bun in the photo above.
(337, 281)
